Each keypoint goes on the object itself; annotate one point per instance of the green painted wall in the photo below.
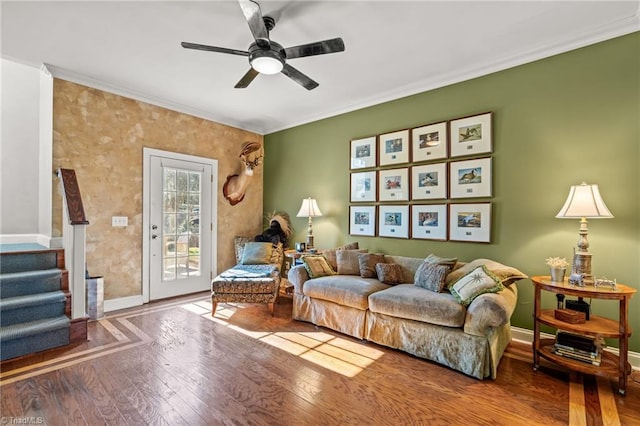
(557, 122)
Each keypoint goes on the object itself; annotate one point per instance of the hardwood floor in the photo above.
(172, 363)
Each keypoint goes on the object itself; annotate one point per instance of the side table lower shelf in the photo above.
(608, 365)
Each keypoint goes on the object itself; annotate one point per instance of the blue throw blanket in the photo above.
(249, 271)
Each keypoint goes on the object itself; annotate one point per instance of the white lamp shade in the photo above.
(309, 208)
(584, 201)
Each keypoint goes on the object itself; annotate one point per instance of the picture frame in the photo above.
(394, 148)
(393, 221)
(430, 142)
(393, 184)
(363, 153)
(470, 222)
(470, 178)
(429, 222)
(362, 220)
(429, 182)
(471, 135)
(363, 186)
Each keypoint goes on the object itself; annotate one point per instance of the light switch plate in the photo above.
(119, 221)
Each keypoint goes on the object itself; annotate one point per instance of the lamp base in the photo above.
(582, 265)
(309, 242)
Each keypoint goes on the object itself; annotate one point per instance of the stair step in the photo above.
(34, 336)
(24, 309)
(16, 261)
(29, 282)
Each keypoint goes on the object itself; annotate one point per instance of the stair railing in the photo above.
(75, 240)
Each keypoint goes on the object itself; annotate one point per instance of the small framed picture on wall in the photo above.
(362, 220)
(394, 148)
(394, 184)
(393, 221)
(470, 178)
(429, 182)
(363, 153)
(429, 222)
(363, 186)
(470, 222)
(429, 142)
(471, 135)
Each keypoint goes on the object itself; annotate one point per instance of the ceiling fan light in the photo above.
(266, 63)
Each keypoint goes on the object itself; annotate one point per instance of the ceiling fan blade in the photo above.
(298, 77)
(196, 46)
(251, 11)
(247, 79)
(333, 45)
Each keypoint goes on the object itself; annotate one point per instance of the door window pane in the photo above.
(181, 223)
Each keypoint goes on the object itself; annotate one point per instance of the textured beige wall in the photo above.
(101, 136)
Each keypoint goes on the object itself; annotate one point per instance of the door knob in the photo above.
(154, 236)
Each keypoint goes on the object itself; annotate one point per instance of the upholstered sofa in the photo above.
(428, 321)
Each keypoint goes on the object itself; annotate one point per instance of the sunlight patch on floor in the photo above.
(339, 355)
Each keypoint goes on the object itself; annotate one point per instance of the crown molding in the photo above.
(68, 75)
(612, 30)
(619, 28)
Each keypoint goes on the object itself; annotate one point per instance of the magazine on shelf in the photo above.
(578, 357)
(576, 341)
(578, 347)
(565, 348)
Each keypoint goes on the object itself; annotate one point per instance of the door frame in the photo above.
(147, 153)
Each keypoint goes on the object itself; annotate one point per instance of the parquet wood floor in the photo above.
(172, 363)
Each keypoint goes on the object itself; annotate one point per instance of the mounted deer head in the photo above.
(236, 185)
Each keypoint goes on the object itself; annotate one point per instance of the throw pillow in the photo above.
(475, 283)
(256, 253)
(431, 276)
(507, 274)
(277, 255)
(347, 261)
(367, 262)
(389, 273)
(317, 266)
(330, 254)
(239, 243)
(432, 258)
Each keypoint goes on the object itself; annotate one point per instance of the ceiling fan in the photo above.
(267, 56)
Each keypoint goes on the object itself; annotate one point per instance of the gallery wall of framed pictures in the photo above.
(431, 182)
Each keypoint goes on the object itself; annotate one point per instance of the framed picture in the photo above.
(363, 186)
(470, 178)
(394, 184)
(393, 221)
(429, 182)
(429, 142)
(362, 220)
(471, 135)
(394, 148)
(429, 222)
(470, 222)
(363, 153)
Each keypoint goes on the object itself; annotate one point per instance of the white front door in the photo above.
(179, 224)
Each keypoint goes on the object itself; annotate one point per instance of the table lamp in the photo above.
(309, 209)
(584, 202)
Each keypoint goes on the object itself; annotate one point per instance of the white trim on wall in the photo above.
(122, 303)
(45, 153)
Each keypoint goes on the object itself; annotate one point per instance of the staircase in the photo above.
(35, 302)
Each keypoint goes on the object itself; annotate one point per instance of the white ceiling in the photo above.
(393, 49)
